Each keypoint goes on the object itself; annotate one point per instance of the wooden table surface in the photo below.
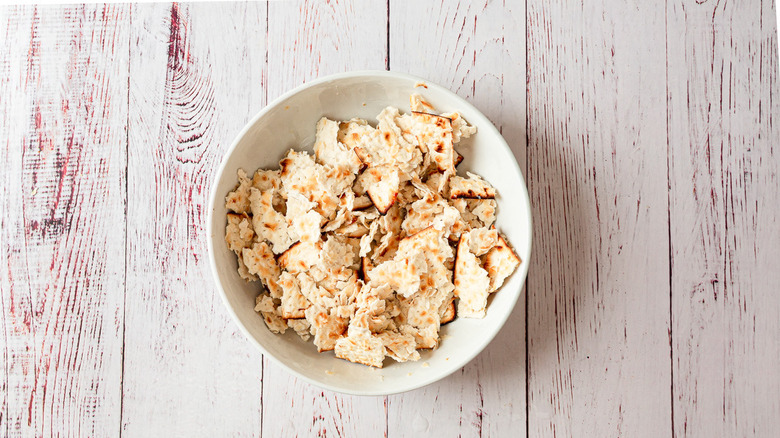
(648, 133)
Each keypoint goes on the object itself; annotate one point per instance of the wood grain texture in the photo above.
(725, 217)
(598, 292)
(63, 76)
(652, 165)
(476, 49)
(310, 39)
(307, 40)
(196, 77)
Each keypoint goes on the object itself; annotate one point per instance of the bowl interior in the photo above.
(290, 123)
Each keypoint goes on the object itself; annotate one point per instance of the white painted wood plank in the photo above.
(63, 104)
(598, 292)
(195, 79)
(308, 40)
(724, 124)
(471, 48)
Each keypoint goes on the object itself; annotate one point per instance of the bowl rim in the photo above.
(381, 74)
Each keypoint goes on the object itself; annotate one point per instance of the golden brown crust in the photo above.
(449, 313)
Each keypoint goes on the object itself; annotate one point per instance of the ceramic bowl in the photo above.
(289, 122)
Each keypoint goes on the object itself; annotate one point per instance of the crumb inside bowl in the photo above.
(290, 123)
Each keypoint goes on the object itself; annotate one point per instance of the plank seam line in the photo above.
(127, 206)
(387, 50)
(528, 277)
(669, 220)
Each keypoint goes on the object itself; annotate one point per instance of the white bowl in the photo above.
(289, 122)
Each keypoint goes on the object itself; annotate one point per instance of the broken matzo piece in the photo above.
(362, 203)
(484, 210)
(238, 232)
(237, 201)
(482, 239)
(268, 223)
(337, 253)
(417, 103)
(472, 187)
(400, 347)
(363, 348)
(300, 257)
(243, 271)
(327, 328)
(448, 315)
(405, 155)
(356, 132)
(329, 150)
(267, 308)
(266, 180)
(260, 261)
(382, 186)
(471, 282)
(426, 337)
(460, 129)
(500, 262)
(294, 304)
(402, 274)
(434, 133)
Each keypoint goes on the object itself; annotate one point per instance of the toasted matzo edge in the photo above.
(458, 158)
(449, 312)
(383, 189)
(361, 203)
(438, 140)
(500, 262)
(297, 258)
(473, 187)
(365, 269)
(468, 217)
(426, 233)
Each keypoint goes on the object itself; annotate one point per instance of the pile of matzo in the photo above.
(374, 242)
